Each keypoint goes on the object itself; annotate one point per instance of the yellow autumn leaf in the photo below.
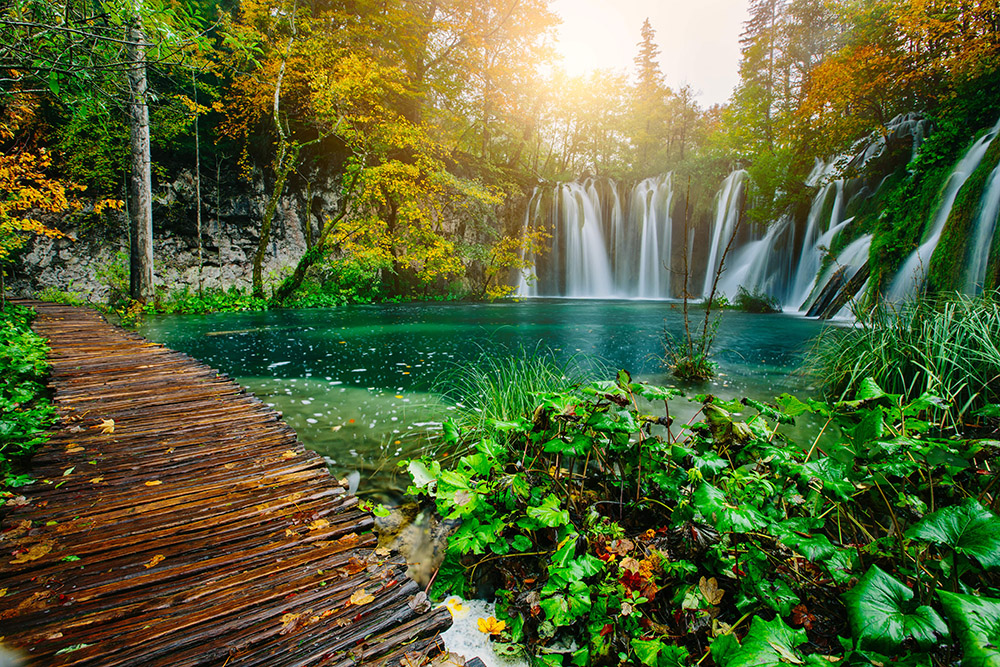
(319, 524)
(289, 454)
(107, 426)
(74, 449)
(154, 561)
(34, 553)
(154, 482)
(361, 596)
(491, 625)
(97, 480)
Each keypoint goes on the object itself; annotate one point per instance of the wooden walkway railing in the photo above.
(177, 521)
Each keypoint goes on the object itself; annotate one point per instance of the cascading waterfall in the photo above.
(588, 270)
(727, 211)
(651, 201)
(611, 241)
(910, 278)
(982, 234)
(764, 264)
(818, 236)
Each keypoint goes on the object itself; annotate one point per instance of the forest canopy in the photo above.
(425, 112)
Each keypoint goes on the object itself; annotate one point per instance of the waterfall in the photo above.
(588, 269)
(982, 235)
(727, 211)
(818, 236)
(910, 278)
(651, 200)
(851, 258)
(526, 280)
(764, 264)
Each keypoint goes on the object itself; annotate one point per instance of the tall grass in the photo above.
(502, 386)
(946, 346)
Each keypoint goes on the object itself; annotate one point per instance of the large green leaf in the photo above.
(976, 622)
(550, 513)
(768, 644)
(726, 517)
(878, 610)
(968, 528)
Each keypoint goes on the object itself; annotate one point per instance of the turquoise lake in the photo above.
(357, 383)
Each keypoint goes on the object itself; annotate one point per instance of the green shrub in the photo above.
(25, 411)
(756, 301)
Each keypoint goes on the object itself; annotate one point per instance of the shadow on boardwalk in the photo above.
(194, 530)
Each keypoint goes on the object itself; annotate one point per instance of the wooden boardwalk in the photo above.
(195, 530)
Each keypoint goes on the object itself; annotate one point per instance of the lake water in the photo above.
(357, 383)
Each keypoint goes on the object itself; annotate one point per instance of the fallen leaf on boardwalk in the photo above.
(295, 496)
(447, 660)
(34, 553)
(76, 429)
(491, 625)
(289, 622)
(289, 454)
(97, 480)
(54, 635)
(382, 551)
(154, 482)
(710, 590)
(419, 603)
(361, 596)
(289, 532)
(68, 471)
(107, 426)
(3, 592)
(74, 449)
(319, 524)
(158, 558)
(70, 649)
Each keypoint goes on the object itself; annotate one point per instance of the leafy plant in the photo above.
(25, 411)
(612, 536)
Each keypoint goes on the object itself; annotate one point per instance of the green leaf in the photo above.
(521, 543)
(549, 513)
(991, 410)
(713, 505)
(653, 392)
(792, 406)
(968, 528)
(422, 475)
(767, 411)
(878, 611)
(869, 390)
(450, 431)
(976, 623)
(647, 651)
(768, 644)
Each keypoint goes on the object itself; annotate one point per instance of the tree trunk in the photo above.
(283, 165)
(140, 193)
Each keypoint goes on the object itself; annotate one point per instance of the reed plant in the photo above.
(948, 346)
(502, 386)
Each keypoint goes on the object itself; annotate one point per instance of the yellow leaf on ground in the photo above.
(491, 625)
(74, 449)
(361, 596)
(155, 560)
(107, 426)
(319, 524)
(97, 480)
(154, 482)
(289, 454)
(34, 553)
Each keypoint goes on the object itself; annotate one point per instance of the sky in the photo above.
(698, 39)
